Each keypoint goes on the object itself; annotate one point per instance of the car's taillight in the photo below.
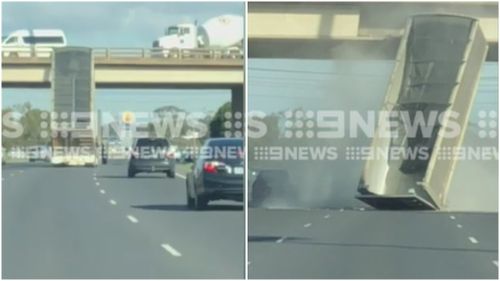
(134, 154)
(170, 155)
(211, 167)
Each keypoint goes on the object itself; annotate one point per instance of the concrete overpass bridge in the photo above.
(135, 69)
(343, 30)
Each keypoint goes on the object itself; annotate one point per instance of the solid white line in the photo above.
(307, 225)
(459, 225)
(281, 240)
(495, 263)
(180, 176)
(473, 240)
(102, 191)
(452, 217)
(171, 250)
(112, 202)
(132, 219)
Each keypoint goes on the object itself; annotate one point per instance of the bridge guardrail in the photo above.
(157, 53)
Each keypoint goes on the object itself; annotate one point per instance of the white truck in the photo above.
(220, 36)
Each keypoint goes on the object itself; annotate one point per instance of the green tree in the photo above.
(217, 123)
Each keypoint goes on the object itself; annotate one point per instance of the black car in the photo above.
(218, 173)
(151, 155)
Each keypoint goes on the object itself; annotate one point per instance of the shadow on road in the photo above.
(179, 207)
(264, 238)
(159, 176)
(409, 247)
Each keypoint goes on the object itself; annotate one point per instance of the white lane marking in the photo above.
(180, 176)
(327, 216)
(459, 225)
(495, 263)
(473, 240)
(452, 217)
(171, 250)
(97, 183)
(279, 241)
(102, 191)
(361, 209)
(95, 178)
(342, 209)
(132, 219)
(307, 225)
(112, 202)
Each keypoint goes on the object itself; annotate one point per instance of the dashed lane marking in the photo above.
(307, 225)
(327, 216)
(279, 241)
(97, 183)
(112, 202)
(495, 263)
(473, 240)
(102, 191)
(132, 219)
(459, 225)
(180, 176)
(171, 250)
(452, 217)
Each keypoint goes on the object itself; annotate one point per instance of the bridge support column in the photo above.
(238, 110)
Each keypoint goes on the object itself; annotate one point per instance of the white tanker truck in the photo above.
(219, 36)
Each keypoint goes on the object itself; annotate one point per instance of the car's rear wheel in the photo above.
(200, 202)
(131, 173)
(171, 173)
(190, 200)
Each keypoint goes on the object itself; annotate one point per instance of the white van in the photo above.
(37, 42)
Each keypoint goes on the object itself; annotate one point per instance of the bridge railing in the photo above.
(109, 53)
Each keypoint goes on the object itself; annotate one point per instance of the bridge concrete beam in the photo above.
(123, 73)
(349, 30)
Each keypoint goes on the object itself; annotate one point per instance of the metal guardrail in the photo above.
(157, 53)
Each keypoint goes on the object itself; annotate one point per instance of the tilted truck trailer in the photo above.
(436, 72)
(74, 128)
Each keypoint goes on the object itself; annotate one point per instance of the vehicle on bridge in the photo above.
(30, 43)
(151, 155)
(222, 36)
(218, 173)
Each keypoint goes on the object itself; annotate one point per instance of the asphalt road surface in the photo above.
(97, 223)
(365, 243)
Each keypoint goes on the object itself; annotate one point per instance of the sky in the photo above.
(116, 24)
(110, 24)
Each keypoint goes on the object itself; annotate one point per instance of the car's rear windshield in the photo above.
(152, 143)
(224, 149)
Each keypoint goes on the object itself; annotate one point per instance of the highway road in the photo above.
(364, 243)
(96, 223)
